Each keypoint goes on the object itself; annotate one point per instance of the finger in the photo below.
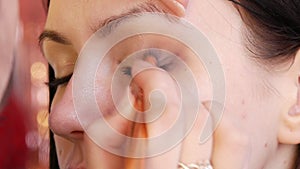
(109, 133)
(176, 6)
(155, 79)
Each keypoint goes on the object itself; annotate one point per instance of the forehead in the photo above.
(74, 19)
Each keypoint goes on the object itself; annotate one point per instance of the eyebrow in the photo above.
(55, 36)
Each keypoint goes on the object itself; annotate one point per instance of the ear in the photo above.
(289, 129)
(177, 7)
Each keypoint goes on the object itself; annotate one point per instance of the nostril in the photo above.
(78, 135)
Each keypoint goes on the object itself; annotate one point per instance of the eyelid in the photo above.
(63, 68)
(61, 57)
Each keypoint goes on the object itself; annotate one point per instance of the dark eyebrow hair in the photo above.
(54, 36)
(141, 8)
(58, 37)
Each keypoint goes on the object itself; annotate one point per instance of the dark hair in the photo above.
(273, 32)
(273, 28)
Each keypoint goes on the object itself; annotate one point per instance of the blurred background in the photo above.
(24, 140)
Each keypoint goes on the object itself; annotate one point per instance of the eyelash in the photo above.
(166, 66)
(54, 83)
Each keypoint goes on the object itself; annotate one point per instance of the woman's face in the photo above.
(251, 131)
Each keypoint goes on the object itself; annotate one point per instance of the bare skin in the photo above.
(257, 129)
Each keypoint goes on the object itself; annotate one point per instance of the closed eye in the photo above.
(164, 60)
(54, 83)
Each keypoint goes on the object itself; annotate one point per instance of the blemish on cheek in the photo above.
(243, 102)
(266, 145)
(244, 115)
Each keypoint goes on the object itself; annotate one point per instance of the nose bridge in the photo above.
(63, 119)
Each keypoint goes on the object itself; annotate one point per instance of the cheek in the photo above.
(203, 79)
(104, 98)
(248, 102)
(103, 85)
(252, 111)
(63, 149)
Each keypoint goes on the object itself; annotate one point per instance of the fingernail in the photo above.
(183, 2)
(181, 7)
(151, 59)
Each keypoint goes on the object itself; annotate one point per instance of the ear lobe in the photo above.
(178, 7)
(289, 129)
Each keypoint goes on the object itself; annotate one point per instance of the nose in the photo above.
(149, 81)
(63, 120)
